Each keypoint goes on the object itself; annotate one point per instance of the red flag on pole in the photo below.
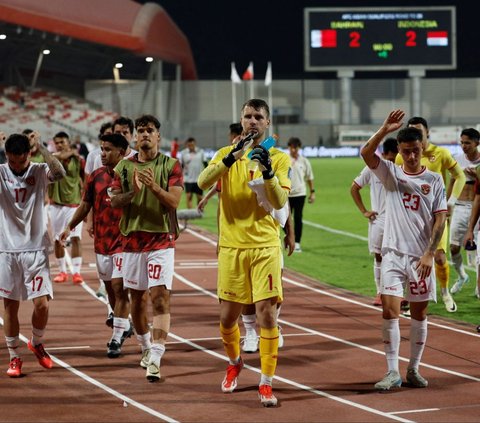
(248, 74)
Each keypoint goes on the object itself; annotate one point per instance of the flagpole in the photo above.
(235, 80)
(271, 107)
(270, 100)
(234, 102)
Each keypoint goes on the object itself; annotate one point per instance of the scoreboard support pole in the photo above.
(415, 76)
(345, 77)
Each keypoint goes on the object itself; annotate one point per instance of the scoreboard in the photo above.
(380, 39)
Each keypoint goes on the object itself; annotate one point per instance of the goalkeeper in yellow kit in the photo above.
(249, 254)
(440, 160)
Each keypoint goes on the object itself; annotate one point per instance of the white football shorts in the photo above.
(145, 270)
(109, 267)
(25, 275)
(400, 279)
(59, 218)
(375, 235)
(459, 222)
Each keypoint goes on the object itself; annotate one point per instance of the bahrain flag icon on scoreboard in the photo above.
(437, 38)
(324, 38)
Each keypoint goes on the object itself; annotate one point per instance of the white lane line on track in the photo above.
(196, 263)
(320, 291)
(378, 309)
(218, 338)
(79, 347)
(424, 410)
(373, 350)
(349, 300)
(287, 381)
(295, 384)
(334, 338)
(104, 387)
(279, 378)
(196, 267)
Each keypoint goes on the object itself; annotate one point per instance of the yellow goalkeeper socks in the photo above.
(231, 342)
(268, 350)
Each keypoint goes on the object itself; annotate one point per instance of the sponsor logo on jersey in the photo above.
(30, 180)
(425, 189)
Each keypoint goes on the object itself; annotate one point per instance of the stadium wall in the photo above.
(309, 109)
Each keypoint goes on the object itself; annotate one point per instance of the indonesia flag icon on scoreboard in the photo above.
(324, 38)
(437, 38)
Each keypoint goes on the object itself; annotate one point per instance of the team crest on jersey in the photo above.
(431, 159)
(30, 180)
(425, 189)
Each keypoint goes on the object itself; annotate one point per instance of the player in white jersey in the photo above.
(468, 161)
(24, 244)
(472, 231)
(375, 216)
(415, 216)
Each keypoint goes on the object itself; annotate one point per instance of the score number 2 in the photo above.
(354, 39)
(411, 39)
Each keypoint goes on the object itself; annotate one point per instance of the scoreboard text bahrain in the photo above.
(380, 39)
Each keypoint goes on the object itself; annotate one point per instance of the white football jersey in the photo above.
(411, 200)
(23, 220)
(90, 163)
(464, 163)
(377, 191)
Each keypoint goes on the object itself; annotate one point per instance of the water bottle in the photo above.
(471, 249)
(268, 143)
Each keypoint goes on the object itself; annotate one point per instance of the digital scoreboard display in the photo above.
(380, 39)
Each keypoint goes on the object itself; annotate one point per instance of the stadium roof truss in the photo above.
(88, 37)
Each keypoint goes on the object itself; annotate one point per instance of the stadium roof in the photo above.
(87, 37)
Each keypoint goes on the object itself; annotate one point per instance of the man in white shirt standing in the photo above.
(193, 162)
(415, 216)
(301, 172)
(24, 244)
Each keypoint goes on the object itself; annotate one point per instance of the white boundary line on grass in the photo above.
(361, 238)
(335, 231)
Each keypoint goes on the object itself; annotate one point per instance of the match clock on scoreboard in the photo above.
(380, 39)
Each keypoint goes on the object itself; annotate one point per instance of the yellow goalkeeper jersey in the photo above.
(243, 223)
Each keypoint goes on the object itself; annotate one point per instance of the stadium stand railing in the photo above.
(49, 112)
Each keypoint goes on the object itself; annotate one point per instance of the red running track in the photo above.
(332, 357)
